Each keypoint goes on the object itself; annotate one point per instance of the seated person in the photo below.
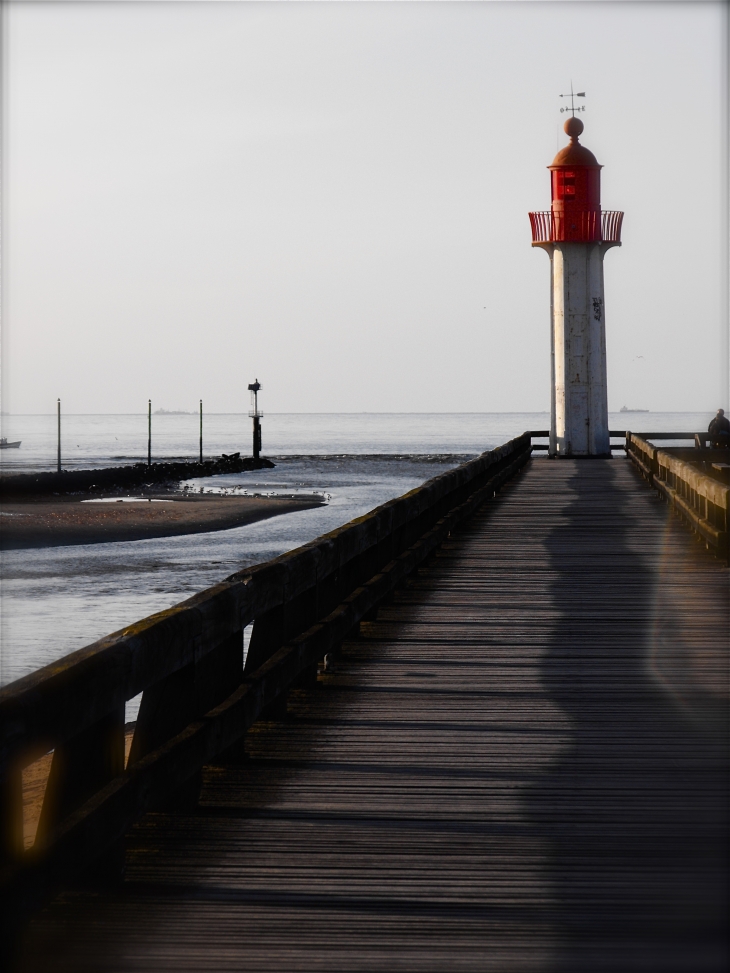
(719, 430)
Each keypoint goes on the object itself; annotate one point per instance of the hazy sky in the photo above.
(333, 197)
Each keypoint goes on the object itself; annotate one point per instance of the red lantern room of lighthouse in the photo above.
(576, 189)
(576, 233)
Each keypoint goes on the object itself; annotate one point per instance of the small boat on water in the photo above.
(4, 444)
(624, 409)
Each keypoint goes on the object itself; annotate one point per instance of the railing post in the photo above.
(165, 710)
(274, 628)
(11, 812)
(80, 767)
(181, 698)
(217, 675)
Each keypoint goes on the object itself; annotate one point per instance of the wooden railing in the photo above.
(545, 434)
(198, 698)
(700, 499)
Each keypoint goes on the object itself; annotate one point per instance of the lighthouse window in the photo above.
(569, 184)
(565, 184)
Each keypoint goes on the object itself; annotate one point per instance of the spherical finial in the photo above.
(573, 127)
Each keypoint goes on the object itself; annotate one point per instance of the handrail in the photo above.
(700, 499)
(621, 433)
(545, 433)
(694, 436)
(587, 226)
(198, 699)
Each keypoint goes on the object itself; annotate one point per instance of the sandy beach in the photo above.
(67, 521)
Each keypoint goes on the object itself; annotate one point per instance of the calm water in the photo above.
(57, 600)
(89, 441)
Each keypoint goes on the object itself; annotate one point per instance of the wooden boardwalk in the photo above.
(520, 765)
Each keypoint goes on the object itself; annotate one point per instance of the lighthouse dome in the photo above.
(574, 154)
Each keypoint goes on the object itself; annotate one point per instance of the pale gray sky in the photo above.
(328, 196)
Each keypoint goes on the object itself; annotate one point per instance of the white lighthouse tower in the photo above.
(577, 234)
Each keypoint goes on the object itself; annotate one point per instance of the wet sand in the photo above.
(66, 521)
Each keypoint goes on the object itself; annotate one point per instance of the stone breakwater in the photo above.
(111, 479)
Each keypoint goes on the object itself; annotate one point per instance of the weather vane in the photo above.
(573, 96)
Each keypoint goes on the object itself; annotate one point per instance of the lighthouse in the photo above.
(576, 233)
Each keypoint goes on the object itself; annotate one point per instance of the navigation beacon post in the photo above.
(257, 416)
(576, 234)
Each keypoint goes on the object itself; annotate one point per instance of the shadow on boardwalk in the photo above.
(637, 806)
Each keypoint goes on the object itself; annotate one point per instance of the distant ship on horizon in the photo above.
(173, 412)
(624, 409)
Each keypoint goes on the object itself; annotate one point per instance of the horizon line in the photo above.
(361, 413)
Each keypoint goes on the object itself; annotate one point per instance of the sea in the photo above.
(56, 600)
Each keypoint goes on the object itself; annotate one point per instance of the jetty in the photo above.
(139, 476)
(484, 727)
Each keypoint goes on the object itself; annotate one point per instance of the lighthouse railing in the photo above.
(611, 223)
(586, 226)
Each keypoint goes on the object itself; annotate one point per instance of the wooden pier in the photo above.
(516, 760)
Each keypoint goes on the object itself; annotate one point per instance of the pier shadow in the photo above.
(635, 811)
